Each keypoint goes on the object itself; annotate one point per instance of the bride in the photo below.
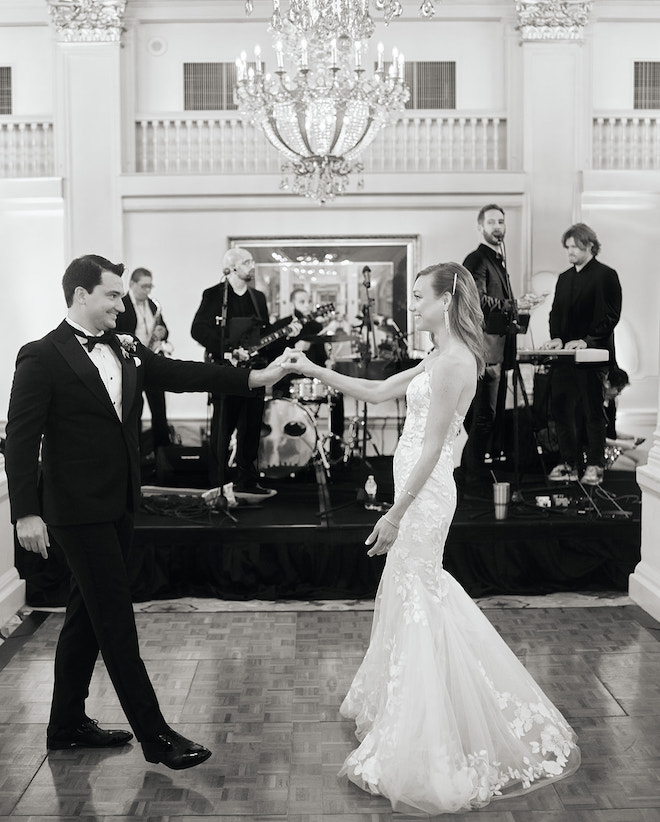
(446, 716)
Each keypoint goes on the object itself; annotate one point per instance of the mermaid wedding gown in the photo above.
(446, 716)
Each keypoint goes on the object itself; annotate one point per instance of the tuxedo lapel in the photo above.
(501, 277)
(72, 351)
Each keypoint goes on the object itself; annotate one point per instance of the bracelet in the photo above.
(410, 493)
(394, 525)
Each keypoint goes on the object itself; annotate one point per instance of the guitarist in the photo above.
(232, 316)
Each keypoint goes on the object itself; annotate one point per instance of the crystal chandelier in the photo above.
(332, 19)
(323, 115)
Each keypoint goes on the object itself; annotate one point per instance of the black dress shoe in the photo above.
(175, 751)
(88, 735)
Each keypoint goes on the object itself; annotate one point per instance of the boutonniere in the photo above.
(127, 344)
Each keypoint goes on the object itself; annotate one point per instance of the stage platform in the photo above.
(307, 542)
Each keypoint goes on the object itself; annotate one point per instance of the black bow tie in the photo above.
(105, 338)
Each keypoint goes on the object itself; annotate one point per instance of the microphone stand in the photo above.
(221, 323)
(368, 352)
(513, 329)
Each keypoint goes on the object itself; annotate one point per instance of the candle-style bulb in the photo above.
(358, 54)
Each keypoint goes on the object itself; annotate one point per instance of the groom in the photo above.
(76, 395)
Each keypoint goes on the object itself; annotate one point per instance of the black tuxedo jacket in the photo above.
(127, 322)
(206, 327)
(90, 469)
(491, 282)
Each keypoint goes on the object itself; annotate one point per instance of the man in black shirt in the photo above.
(585, 311)
(487, 265)
(232, 317)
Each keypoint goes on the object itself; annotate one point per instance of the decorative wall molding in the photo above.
(87, 21)
(553, 19)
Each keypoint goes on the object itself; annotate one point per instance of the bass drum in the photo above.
(288, 439)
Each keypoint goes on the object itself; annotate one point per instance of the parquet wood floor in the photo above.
(262, 689)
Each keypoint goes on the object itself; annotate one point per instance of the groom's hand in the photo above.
(32, 535)
(263, 377)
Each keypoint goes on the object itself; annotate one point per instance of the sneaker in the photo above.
(593, 475)
(563, 473)
(252, 493)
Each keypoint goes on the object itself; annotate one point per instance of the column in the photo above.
(644, 586)
(556, 110)
(88, 125)
(12, 587)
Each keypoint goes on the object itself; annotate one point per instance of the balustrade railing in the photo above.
(622, 141)
(26, 148)
(226, 145)
(424, 143)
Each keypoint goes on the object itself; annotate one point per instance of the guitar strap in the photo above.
(253, 297)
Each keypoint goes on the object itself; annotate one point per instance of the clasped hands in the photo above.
(295, 361)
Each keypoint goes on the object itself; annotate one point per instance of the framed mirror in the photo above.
(367, 279)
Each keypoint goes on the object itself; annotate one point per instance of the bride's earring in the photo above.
(447, 320)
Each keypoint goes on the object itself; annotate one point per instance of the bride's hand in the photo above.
(381, 538)
(295, 361)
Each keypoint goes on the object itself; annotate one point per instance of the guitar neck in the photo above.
(268, 339)
(282, 332)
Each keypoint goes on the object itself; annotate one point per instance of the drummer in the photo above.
(307, 340)
(310, 340)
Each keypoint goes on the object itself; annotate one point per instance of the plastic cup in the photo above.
(501, 497)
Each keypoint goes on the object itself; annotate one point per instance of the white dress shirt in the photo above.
(107, 364)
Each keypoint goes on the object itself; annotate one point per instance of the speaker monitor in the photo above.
(181, 466)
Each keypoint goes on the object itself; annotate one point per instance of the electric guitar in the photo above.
(251, 351)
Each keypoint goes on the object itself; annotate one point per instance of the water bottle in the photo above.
(370, 490)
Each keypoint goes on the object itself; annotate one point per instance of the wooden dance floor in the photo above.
(262, 690)
(308, 543)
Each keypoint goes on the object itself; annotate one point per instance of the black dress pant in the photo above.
(243, 414)
(480, 424)
(160, 430)
(577, 395)
(100, 617)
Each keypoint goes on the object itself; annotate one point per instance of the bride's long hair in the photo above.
(465, 315)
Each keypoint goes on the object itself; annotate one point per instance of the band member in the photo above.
(232, 316)
(310, 340)
(585, 311)
(143, 318)
(72, 462)
(488, 267)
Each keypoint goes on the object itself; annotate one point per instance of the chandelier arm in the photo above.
(302, 128)
(340, 110)
(277, 141)
(358, 147)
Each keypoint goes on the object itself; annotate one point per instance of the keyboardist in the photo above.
(585, 310)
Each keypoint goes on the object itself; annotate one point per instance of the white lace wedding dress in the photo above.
(446, 715)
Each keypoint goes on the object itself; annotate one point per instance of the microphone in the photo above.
(366, 271)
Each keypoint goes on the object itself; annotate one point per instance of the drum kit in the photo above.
(290, 430)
